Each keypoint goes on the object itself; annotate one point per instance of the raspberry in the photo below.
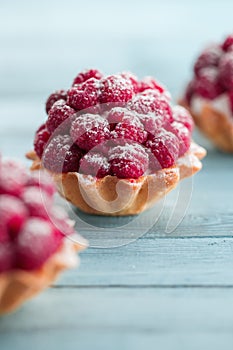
(103, 148)
(41, 138)
(115, 89)
(150, 83)
(37, 201)
(182, 115)
(226, 71)
(209, 58)
(133, 79)
(42, 181)
(165, 148)
(128, 161)
(4, 234)
(87, 74)
(27, 240)
(147, 103)
(89, 130)
(57, 95)
(183, 135)
(59, 116)
(37, 241)
(130, 128)
(7, 256)
(13, 213)
(231, 100)
(61, 155)
(94, 164)
(228, 43)
(207, 84)
(152, 122)
(13, 177)
(84, 95)
(116, 115)
(61, 221)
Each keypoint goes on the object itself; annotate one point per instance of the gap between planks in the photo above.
(144, 286)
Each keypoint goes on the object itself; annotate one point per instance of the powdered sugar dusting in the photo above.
(34, 228)
(128, 151)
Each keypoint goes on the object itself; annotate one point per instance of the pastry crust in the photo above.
(117, 197)
(215, 125)
(17, 286)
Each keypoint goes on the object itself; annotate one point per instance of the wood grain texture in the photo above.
(157, 262)
(122, 319)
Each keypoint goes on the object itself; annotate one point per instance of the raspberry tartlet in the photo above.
(37, 242)
(115, 144)
(209, 95)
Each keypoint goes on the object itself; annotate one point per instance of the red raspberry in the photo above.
(150, 83)
(147, 103)
(182, 115)
(103, 148)
(59, 116)
(13, 177)
(157, 94)
(84, 95)
(13, 213)
(130, 128)
(165, 148)
(37, 241)
(26, 241)
(61, 155)
(184, 137)
(152, 122)
(226, 71)
(209, 58)
(207, 84)
(143, 104)
(87, 74)
(94, 164)
(133, 79)
(89, 130)
(115, 89)
(57, 95)
(116, 115)
(231, 100)
(128, 161)
(61, 221)
(42, 181)
(7, 256)
(41, 138)
(4, 234)
(228, 43)
(37, 201)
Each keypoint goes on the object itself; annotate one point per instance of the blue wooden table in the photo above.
(157, 285)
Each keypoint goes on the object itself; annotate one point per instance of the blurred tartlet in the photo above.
(115, 145)
(209, 95)
(37, 239)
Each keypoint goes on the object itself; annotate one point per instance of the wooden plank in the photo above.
(157, 262)
(122, 319)
(108, 339)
